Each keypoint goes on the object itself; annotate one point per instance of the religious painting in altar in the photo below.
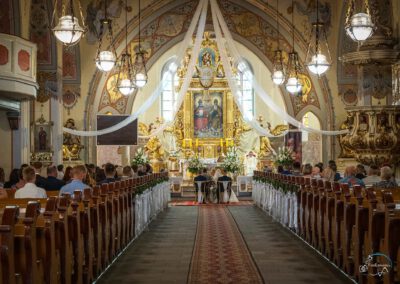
(208, 114)
(293, 141)
(41, 135)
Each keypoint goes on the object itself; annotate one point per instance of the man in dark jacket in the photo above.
(220, 186)
(201, 177)
(51, 182)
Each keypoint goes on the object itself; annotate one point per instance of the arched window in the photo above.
(245, 83)
(169, 94)
(311, 142)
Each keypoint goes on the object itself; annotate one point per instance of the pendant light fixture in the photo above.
(318, 59)
(359, 27)
(124, 83)
(293, 83)
(106, 58)
(140, 62)
(68, 30)
(278, 73)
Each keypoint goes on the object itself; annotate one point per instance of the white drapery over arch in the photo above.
(228, 43)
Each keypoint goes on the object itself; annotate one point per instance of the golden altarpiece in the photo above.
(209, 120)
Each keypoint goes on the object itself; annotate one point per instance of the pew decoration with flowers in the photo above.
(358, 229)
(73, 238)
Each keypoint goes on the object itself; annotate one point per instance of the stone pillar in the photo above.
(56, 116)
(125, 155)
(21, 137)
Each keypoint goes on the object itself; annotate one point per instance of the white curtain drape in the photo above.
(226, 48)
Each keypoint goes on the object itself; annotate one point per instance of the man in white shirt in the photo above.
(30, 190)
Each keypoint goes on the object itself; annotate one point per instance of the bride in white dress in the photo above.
(225, 196)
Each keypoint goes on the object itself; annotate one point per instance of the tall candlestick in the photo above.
(197, 142)
(221, 143)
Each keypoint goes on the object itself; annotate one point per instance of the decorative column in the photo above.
(125, 156)
(21, 137)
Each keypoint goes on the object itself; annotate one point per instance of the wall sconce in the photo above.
(13, 119)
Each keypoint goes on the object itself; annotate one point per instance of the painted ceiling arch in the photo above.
(251, 22)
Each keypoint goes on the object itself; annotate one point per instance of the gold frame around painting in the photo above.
(224, 113)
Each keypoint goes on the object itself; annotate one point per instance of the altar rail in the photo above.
(73, 239)
(354, 228)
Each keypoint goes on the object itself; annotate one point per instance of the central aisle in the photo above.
(234, 244)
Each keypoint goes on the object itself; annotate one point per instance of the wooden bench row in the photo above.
(68, 239)
(348, 225)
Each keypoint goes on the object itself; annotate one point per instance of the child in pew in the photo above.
(78, 176)
(30, 190)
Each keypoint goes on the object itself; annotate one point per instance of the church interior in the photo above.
(200, 141)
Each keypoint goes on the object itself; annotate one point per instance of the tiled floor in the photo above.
(162, 254)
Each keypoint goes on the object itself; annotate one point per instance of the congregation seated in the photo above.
(110, 172)
(350, 177)
(13, 179)
(52, 182)
(30, 190)
(307, 170)
(127, 173)
(60, 172)
(373, 176)
(40, 181)
(316, 172)
(67, 175)
(386, 179)
(360, 172)
(2, 178)
(78, 175)
(296, 169)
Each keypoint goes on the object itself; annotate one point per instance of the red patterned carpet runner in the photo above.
(220, 254)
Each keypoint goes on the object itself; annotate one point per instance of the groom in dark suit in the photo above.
(201, 177)
(220, 185)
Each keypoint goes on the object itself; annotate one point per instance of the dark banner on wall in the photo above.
(127, 135)
(293, 141)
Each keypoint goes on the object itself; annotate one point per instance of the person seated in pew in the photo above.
(350, 177)
(40, 181)
(361, 172)
(60, 172)
(30, 190)
(386, 179)
(373, 176)
(296, 169)
(110, 171)
(3, 193)
(78, 175)
(201, 177)
(127, 173)
(13, 179)
(52, 182)
(307, 170)
(316, 172)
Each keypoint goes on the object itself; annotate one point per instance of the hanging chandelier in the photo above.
(278, 73)
(293, 82)
(106, 58)
(140, 63)
(125, 84)
(68, 30)
(318, 59)
(359, 27)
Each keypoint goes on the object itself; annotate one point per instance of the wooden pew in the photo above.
(324, 189)
(329, 222)
(7, 230)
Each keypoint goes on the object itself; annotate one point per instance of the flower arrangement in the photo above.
(140, 158)
(284, 156)
(195, 165)
(232, 162)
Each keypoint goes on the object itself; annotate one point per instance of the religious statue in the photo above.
(154, 149)
(215, 121)
(200, 117)
(71, 143)
(266, 149)
(220, 69)
(42, 139)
